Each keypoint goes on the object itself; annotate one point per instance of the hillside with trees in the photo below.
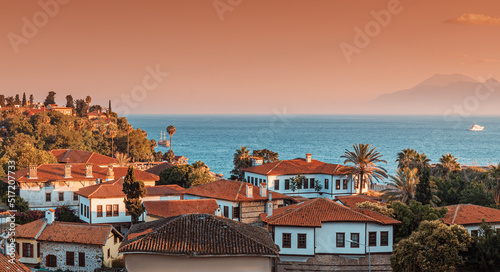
(24, 137)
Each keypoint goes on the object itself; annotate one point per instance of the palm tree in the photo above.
(123, 159)
(402, 186)
(411, 158)
(421, 161)
(171, 132)
(128, 129)
(241, 160)
(406, 158)
(361, 164)
(112, 134)
(448, 163)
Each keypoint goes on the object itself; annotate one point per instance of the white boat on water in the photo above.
(476, 127)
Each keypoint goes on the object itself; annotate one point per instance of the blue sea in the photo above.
(214, 139)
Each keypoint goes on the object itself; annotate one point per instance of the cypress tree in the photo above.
(134, 190)
(24, 100)
(423, 193)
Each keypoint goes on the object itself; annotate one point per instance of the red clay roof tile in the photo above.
(199, 235)
(77, 233)
(80, 156)
(168, 208)
(55, 172)
(7, 266)
(230, 190)
(314, 212)
(295, 166)
(351, 200)
(30, 230)
(469, 214)
(114, 189)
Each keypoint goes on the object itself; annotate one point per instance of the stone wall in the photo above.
(93, 256)
(250, 211)
(379, 262)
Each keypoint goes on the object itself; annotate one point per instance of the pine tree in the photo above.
(423, 191)
(50, 99)
(17, 101)
(134, 190)
(69, 101)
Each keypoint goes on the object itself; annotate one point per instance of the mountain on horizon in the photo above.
(450, 94)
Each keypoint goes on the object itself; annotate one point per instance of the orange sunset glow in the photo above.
(245, 56)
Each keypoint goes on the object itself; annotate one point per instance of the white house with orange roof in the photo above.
(278, 177)
(103, 203)
(52, 185)
(237, 200)
(67, 246)
(471, 217)
(321, 226)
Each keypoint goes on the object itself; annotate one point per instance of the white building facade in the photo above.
(321, 179)
(334, 230)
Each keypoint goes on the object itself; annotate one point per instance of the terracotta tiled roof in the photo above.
(55, 172)
(295, 166)
(113, 189)
(230, 190)
(79, 156)
(76, 233)
(158, 168)
(316, 211)
(95, 113)
(468, 214)
(7, 266)
(199, 235)
(162, 190)
(385, 220)
(168, 208)
(351, 200)
(30, 230)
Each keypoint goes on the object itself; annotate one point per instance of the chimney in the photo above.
(111, 174)
(270, 207)
(67, 170)
(218, 212)
(249, 190)
(88, 170)
(263, 190)
(32, 172)
(50, 215)
(308, 157)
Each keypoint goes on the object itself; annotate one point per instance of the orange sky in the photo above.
(263, 56)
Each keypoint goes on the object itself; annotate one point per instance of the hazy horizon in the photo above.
(242, 57)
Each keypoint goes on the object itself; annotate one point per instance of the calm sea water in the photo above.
(213, 139)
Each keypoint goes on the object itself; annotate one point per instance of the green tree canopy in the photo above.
(50, 99)
(423, 192)
(267, 155)
(434, 247)
(134, 190)
(412, 215)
